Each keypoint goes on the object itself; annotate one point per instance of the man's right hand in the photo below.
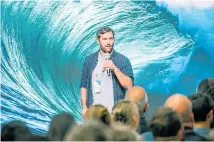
(84, 111)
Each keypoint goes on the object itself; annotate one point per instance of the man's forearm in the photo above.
(83, 92)
(124, 80)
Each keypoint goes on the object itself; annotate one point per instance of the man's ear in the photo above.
(136, 121)
(146, 108)
(210, 116)
(192, 120)
(98, 41)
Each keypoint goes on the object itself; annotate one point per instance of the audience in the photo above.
(183, 107)
(126, 113)
(59, 126)
(91, 130)
(206, 86)
(121, 132)
(15, 131)
(202, 105)
(37, 138)
(181, 119)
(166, 125)
(211, 135)
(139, 96)
(98, 112)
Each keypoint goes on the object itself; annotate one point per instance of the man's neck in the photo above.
(188, 125)
(203, 124)
(103, 53)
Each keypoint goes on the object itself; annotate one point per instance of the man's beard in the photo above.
(107, 51)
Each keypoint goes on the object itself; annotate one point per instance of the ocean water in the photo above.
(44, 43)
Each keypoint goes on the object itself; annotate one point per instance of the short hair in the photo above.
(98, 112)
(206, 86)
(37, 138)
(201, 105)
(104, 30)
(90, 130)
(165, 122)
(15, 131)
(59, 126)
(123, 112)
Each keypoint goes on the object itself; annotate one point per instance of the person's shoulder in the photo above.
(193, 136)
(92, 55)
(121, 56)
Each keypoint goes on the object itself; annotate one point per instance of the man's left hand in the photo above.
(108, 64)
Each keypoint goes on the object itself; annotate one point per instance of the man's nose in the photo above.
(108, 41)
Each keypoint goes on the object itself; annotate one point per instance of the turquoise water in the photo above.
(44, 43)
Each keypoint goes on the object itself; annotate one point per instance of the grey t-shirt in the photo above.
(102, 86)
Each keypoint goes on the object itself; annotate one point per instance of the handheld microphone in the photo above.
(107, 57)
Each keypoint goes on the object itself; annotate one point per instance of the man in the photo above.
(166, 125)
(105, 79)
(207, 86)
(203, 113)
(91, 130)
(139, 96)
(183, 107)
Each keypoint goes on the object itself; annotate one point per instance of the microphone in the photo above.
(107, 57)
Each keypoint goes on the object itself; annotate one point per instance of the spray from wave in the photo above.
(196, 19)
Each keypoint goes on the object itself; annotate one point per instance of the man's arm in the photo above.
(83, 86)
(83, 92)
(124, 80)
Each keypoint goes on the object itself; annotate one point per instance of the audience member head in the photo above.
(15, 131)
(98, 112)
(59, 126)
(90, 130)
(138, 96)
(165, 125)
(126, 112)
(183, 106)
(206, 86)
(202, 106)
(211, 135)
(37, 138)
(121, 132)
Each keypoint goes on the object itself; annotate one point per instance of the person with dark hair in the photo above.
(98, 112)
(202, 106)
(59, 126)
(37, 138)
(166, 125)
(15, 131)
(106, 74)
(207, 86)
(90, 130)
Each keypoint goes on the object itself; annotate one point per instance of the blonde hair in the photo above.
(121, 132)
(98, 112)
(123, 113)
